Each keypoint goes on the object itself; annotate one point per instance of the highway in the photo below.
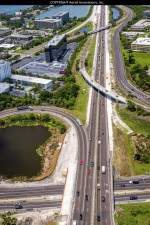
(125, 199)
(97, 129)
(120, 73)
(82, 140)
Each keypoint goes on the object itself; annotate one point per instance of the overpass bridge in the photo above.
(100, 29)
(100, 88)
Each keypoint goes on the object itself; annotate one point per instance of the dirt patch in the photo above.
(141, 146)
(51, 154)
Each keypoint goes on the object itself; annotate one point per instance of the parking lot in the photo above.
(37, 64)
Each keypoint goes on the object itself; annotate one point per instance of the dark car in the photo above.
(78, 193)
(122, 185)
(89, 153)
(103, 133)
(98, 217)
(132, 89)
(133, 197)
(86, 197)
(90, 139)
(135, 182)
(98, 168)
(92, 164)
(103, 199)
(80, 216)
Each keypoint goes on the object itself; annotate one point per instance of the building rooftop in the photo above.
(141, 23)
(20, 35)
(146, 11)
(48, 20)
(3, 61)
(30, 79)
(4, 87)
(56, 40)
(7, 46)
(142, 41)
(60, 14)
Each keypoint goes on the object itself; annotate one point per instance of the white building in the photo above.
(4, 87)
(7, 46)
(5, 70)
(18, 13)
(141, 25)
(25, 80)
(141, 44)
(146, 14)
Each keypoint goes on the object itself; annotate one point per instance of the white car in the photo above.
(98, 186)
(99, 142)
(130, 182)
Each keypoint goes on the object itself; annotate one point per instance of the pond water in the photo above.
(116, 13)
(84, 29)
(18, 150)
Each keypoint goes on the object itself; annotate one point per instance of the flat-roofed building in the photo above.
(47, 23)
(64, 16)
(2, 14)
(7, 46)
(4, 32)
(146, 13)
(5, 70)
(18, 13)
(15, 19)
(4, 87)
(55, 48)
(26, 80)
(141, 44)
(141, 25)
(21, 37)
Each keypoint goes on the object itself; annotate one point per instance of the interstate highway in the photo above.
(124, 199)
(119, 65)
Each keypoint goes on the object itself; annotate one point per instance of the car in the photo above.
(106, 90)
(103, 199)
(98, 167)
(98, 186)
(80, 216)
(135, 96)
(92, 164)
(116, 95)
(103, 133)
(78, 193)
(130, 182)
(88, 172)
(42, 109)
(122, 185)
(80, 162)
(135, 182)
(132, 89)
(99, 142)
(129, 91)
(18, 205)
(133, 197)
(89, 153)
(90, 139)
(98, 217)
(86, 197)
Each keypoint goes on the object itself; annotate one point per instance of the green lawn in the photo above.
(133, 214)
(90, 56)
(136, 124)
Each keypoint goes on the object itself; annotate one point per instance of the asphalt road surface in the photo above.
(119, 65)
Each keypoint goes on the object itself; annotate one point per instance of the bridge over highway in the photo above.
(98, 30)
(100, 88)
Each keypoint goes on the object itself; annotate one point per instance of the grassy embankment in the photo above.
(90, 56)
(88, 24)
(135, 213)
(123, 154)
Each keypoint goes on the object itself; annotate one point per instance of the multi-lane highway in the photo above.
(119, 65)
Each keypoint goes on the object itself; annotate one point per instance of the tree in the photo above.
(7, 219)
(131, 106)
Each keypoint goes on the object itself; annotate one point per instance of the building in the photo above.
(5, 32)
(2, 14)
(25, 80)
(55, 48)
(146, 14)
(21, 37)
(47, 23)
(141, 25)
(4, 87)
(141, 44)
(7, 46)
(18, 13)
(2, 40)
(15, 19)
(130, 35)
(5, 70)
(63, 16)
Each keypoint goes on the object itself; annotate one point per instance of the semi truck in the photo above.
(103, 170)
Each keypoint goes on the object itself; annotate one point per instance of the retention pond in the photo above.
(18, 146)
